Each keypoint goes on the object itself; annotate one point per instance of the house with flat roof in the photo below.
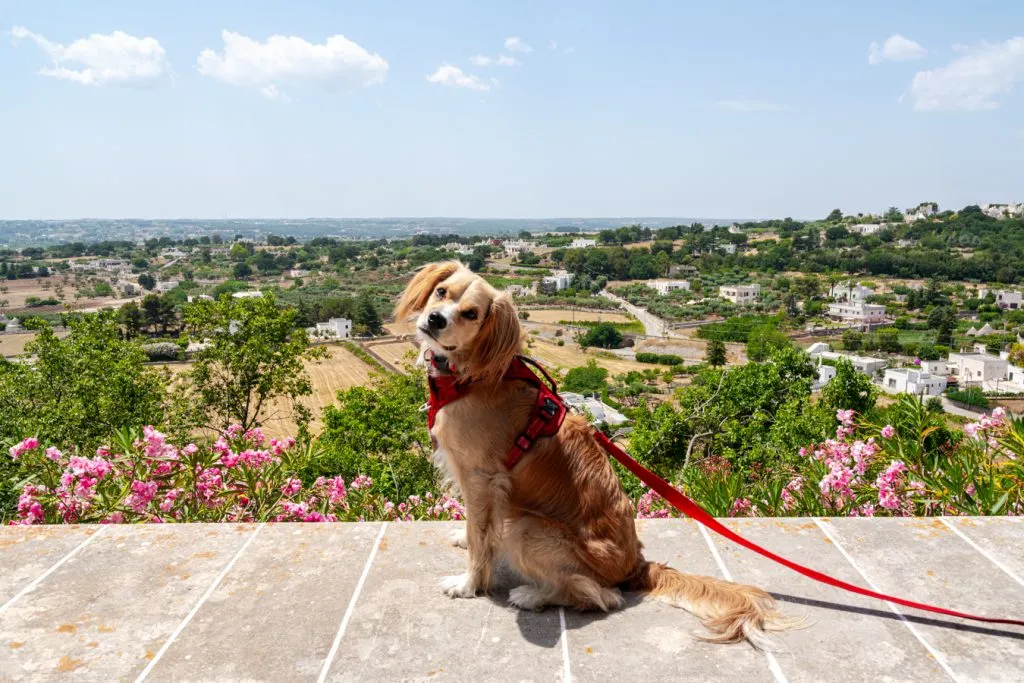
(914, 381)
(860, 313)
(976, 368)
(666, 286)
(740, 294)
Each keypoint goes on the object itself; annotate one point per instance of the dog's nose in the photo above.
(436, 321)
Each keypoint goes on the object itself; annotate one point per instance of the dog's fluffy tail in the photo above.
(730, 611)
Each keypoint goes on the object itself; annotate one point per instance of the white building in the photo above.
(1006, 298)
(1011, 210)
(859, 313)
(682, 269)
(726, 248)
(335, 328)
(852, 292)
(192, 298)
(582, 243)
(921, 211)
(521, 290)
(128, 288)
(866, 365)
(866, 229)
(740, 294)
(513, 247)
(167, 285)
(556, 282)
(666, 286)
(976, 368)
(825, 375)
(912, 381)
(597, 411)
(985, 329)
(298, 272)
(172, 253)
(247, 295)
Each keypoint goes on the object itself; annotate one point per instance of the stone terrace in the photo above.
(361, 602)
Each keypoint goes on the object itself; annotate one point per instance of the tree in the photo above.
(715, 353)
(602, 335)
(378, 430)
(131, 318)
(1017, 354)
(852, 340)
(765, 339)
(82, 387)
(835, 216)
(366, 313)
(158, 312)
(253, 363)
(893, 215)
(241, 271)
(849, 389)
(589, 379)
(476, 263)
(147, 281)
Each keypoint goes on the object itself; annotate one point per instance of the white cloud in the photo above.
(115, 59)
(553, 44)
(500, 60)
(896, 48)
(750, 105)
(516, 44)
(290, 60)
(569, 50)
(453, 77)
(973, 81)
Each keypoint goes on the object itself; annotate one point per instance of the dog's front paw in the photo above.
(526, 597)
(458, 586)
(459, 539)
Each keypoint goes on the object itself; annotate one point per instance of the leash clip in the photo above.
(425, 407)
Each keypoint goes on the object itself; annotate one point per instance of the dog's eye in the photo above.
(441, 291)
(469, 315)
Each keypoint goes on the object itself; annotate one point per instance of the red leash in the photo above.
(696, 512)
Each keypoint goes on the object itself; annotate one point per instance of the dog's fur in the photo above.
(560, 515)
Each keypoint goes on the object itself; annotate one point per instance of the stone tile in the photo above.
(1001, 537)
(649, 640)
(404, 628)
(923, 560)
(28, 552)
(279, 607)
(105, 612)
(841, 627)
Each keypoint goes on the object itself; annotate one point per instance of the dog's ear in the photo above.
(496, 344)
(414, 298)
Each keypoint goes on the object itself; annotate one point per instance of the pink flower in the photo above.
(53, 453)
(169, 498)
(845, 416)
(361, 482)
(291, 487)
(888, 431)
(29, 444)
(741, 507)
(141, 495)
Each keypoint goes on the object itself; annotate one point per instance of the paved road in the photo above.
(361, 602)
(653, 325)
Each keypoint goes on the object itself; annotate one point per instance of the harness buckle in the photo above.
(524, 442)
(425, 407)
(548, 409)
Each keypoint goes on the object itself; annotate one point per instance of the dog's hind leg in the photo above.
(545, 554)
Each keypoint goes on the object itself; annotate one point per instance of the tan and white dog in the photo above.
(560, 515)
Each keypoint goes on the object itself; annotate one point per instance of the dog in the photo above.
(560, 515)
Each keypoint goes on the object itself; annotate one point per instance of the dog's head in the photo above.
(460, 316)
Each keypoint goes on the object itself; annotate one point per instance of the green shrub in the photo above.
(659, 358)
(972, 396)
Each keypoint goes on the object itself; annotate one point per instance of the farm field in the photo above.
(400, 328)
(571, 356)
(14, 344)
(395, 353)
(555, 315)
(341, 370)
(19, 290)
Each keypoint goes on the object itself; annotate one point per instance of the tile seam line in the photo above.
(57, 565)
(938, 656)
(343, 626)
(195, 608)
(981, 551)
(773, 663)
(566, 669)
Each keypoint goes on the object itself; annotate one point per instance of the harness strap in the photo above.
(699, 514)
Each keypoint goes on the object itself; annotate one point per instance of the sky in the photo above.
(532, 109)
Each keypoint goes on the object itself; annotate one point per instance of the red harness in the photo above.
(545, 419)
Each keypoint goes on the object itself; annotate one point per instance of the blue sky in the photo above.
(725, 109)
